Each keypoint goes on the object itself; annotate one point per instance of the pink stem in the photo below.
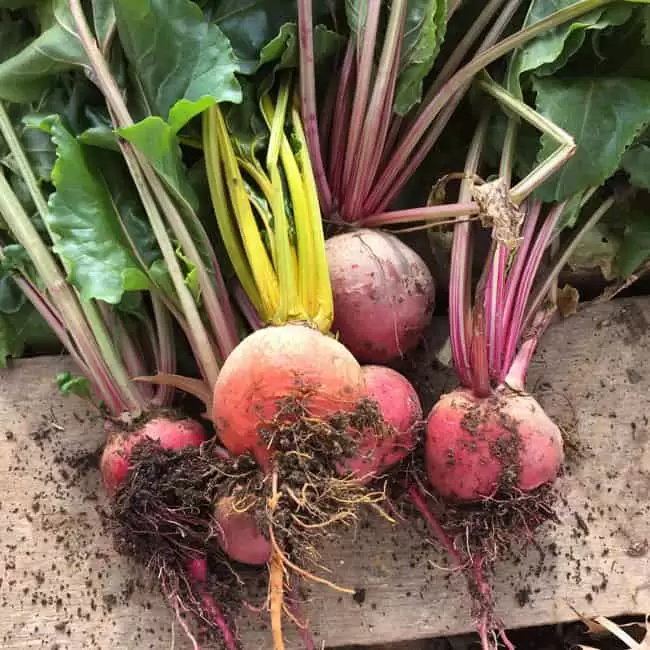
(379, 109)
(494, 292)
(386, 121)
(45, 308)
(308, 101)
(479, 353)
(505, 640)
(341, 120)
(528, 276)
(516, 376)
(404, 161)
(362, 91)
(512, 282)
(432, 213)
(396, 125)
(382, 195)
(247, 309)
(461, 269)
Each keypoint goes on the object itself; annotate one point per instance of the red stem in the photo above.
(377, 118)
(339, 126)
(516, 376)
(512, 282)
(387, 120)
(433, 213)
(494, 293)
(308, 101)
(426, 129)
(461, 270)
(360, 102)
(45, 308)
(528, 276)
(479, 353)
(247, 309)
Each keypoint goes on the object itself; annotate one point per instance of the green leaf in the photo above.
(191, 275)
(13, 34)
(636, 162)
(184, 64)
(549, 52)
(424, 32)
(11, 344)
(284, 47)
(158, 141)
(596, 249)
(645, 21)
(85, 222)
(24, 328)
(11, 297)
(356, 14)
(25, 76)
(635, 247)
(603, 115)
(103, 19)
(283, 51)
(251, 25)
(70, 384)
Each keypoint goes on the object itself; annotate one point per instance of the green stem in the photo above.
(65, 301)
(140, 170)
(166, 352)
(543, 171)
(102, 339)
(109, 353)
(24, 167)
(461, 50)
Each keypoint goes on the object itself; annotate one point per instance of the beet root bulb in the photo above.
(401, 413)
(384, 294)
(476, 447)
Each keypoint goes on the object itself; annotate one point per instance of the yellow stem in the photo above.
(262, 270)
(321, 287)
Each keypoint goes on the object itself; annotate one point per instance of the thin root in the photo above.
(276, 586)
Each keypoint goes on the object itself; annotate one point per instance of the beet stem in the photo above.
(341, 118)
(460, 81)
(461, 264)
(365, 58)
(308, 100)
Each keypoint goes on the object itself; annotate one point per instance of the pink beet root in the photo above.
(384, 294)
(475, 446)
(173, 435)
(240, 536)
(400, 407)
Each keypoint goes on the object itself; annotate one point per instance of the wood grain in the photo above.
(62, 586)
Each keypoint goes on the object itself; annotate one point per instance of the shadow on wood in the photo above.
(62, 586)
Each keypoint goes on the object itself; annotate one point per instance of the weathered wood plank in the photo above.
(61, 585)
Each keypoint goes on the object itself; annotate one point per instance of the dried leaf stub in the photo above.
(499, 212)
(568, 298)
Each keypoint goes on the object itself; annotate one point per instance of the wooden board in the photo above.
(61, 585)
